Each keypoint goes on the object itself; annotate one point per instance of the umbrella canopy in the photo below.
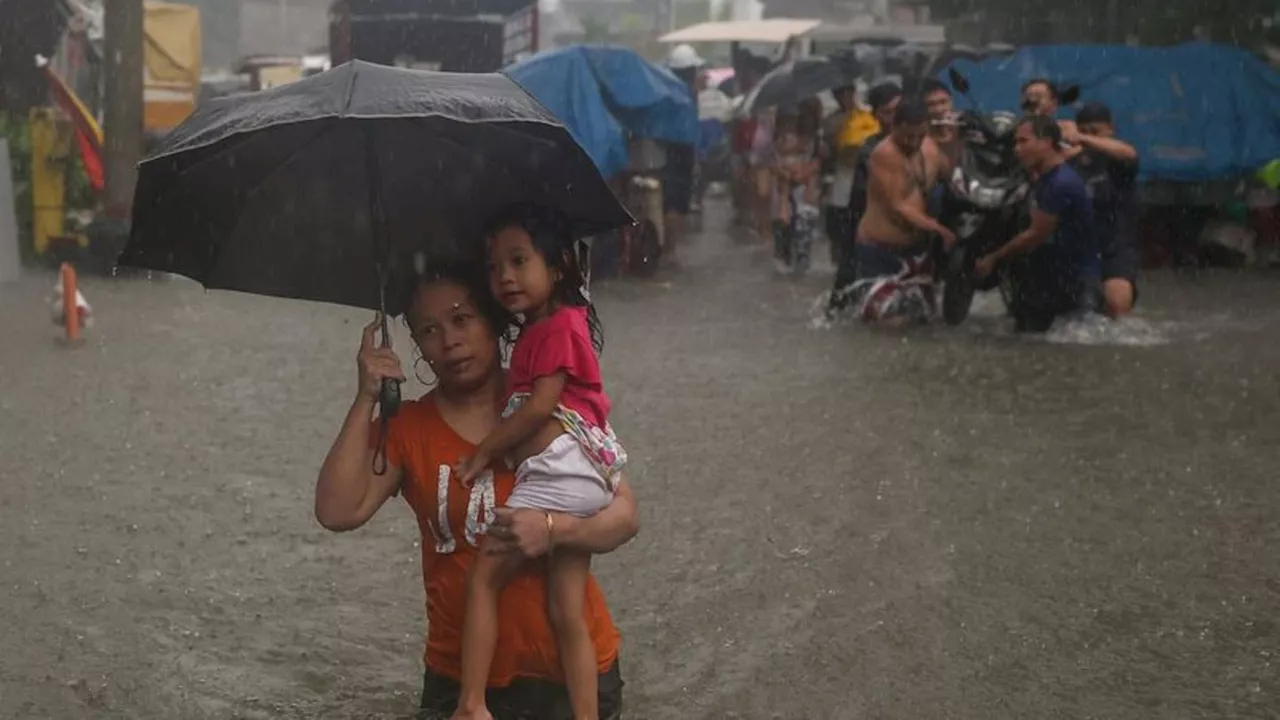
(792, 82)
(334, 188)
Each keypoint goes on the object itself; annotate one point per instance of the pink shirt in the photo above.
(562, 343)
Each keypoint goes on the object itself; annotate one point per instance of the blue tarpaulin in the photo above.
(603, 93)
(1194, 112)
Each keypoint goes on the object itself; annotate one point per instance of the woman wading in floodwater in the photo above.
(456, 325)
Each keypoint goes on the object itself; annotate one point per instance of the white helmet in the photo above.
(684, 57)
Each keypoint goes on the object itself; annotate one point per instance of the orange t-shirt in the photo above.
(423, 445)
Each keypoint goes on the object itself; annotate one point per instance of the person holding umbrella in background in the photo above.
(792, 88)
(794, 186)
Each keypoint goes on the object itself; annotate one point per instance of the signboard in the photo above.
(419, 35)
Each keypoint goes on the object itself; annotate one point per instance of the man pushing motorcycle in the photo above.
(894, 235)
(1056, 261)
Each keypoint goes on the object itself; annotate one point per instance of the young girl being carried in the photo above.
(555, 431)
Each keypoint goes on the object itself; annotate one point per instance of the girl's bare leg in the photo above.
(567, 587)
(762, 204)
(487, 576)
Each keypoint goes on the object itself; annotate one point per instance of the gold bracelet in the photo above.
(551, 533)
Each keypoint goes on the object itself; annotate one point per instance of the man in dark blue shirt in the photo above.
(1109, 167)
(1059, 266)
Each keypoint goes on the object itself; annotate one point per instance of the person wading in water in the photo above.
(883, 100)
(1109, 168)
(893, 234)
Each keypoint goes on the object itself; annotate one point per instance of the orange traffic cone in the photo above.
(70, 309)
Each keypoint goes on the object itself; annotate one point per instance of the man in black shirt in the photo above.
(1109, 168)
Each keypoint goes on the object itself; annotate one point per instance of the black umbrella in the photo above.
(334, 188)
(789, 83)
(277, 192)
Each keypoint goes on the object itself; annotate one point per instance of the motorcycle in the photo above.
(984, 203)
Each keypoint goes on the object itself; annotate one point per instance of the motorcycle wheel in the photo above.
(1006, 292)
(643, 249)
(988, 284)
(958, 286)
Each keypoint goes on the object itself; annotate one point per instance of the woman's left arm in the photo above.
(534, 533)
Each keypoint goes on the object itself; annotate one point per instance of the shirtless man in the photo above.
(903, 171)
(892, 237)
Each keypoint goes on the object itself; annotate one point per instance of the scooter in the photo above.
(984, 203)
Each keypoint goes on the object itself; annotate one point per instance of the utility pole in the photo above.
(123, 102)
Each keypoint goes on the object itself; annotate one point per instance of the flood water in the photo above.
(838, 523)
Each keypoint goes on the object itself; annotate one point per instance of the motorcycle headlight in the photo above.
(981, 195)
(985, 197)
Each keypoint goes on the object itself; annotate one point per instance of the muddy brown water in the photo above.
(837, 523)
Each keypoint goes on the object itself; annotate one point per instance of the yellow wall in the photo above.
(51, 140)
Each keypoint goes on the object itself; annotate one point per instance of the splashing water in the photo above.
(1094, 329)
(988, 305)
(988, 316)
(820, 319)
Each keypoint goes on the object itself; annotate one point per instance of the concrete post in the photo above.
(10, 257)
(123, 51)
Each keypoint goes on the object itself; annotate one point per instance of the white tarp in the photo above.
(871, 33)
(772, 30)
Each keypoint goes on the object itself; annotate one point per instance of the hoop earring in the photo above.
(417, 372)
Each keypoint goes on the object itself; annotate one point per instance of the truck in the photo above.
(466, 36)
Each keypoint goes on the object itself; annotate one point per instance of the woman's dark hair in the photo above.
(469, 274)
(553, 241)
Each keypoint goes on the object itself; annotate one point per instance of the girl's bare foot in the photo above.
(481, 714)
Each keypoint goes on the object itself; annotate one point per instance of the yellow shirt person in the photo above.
(860, 126)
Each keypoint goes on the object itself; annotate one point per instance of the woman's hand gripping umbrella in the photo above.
(336, 188)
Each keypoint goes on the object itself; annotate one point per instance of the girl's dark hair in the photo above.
(471, 275)
(553, 241)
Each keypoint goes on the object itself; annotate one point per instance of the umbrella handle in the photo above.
(389, 404)
(389, 398)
